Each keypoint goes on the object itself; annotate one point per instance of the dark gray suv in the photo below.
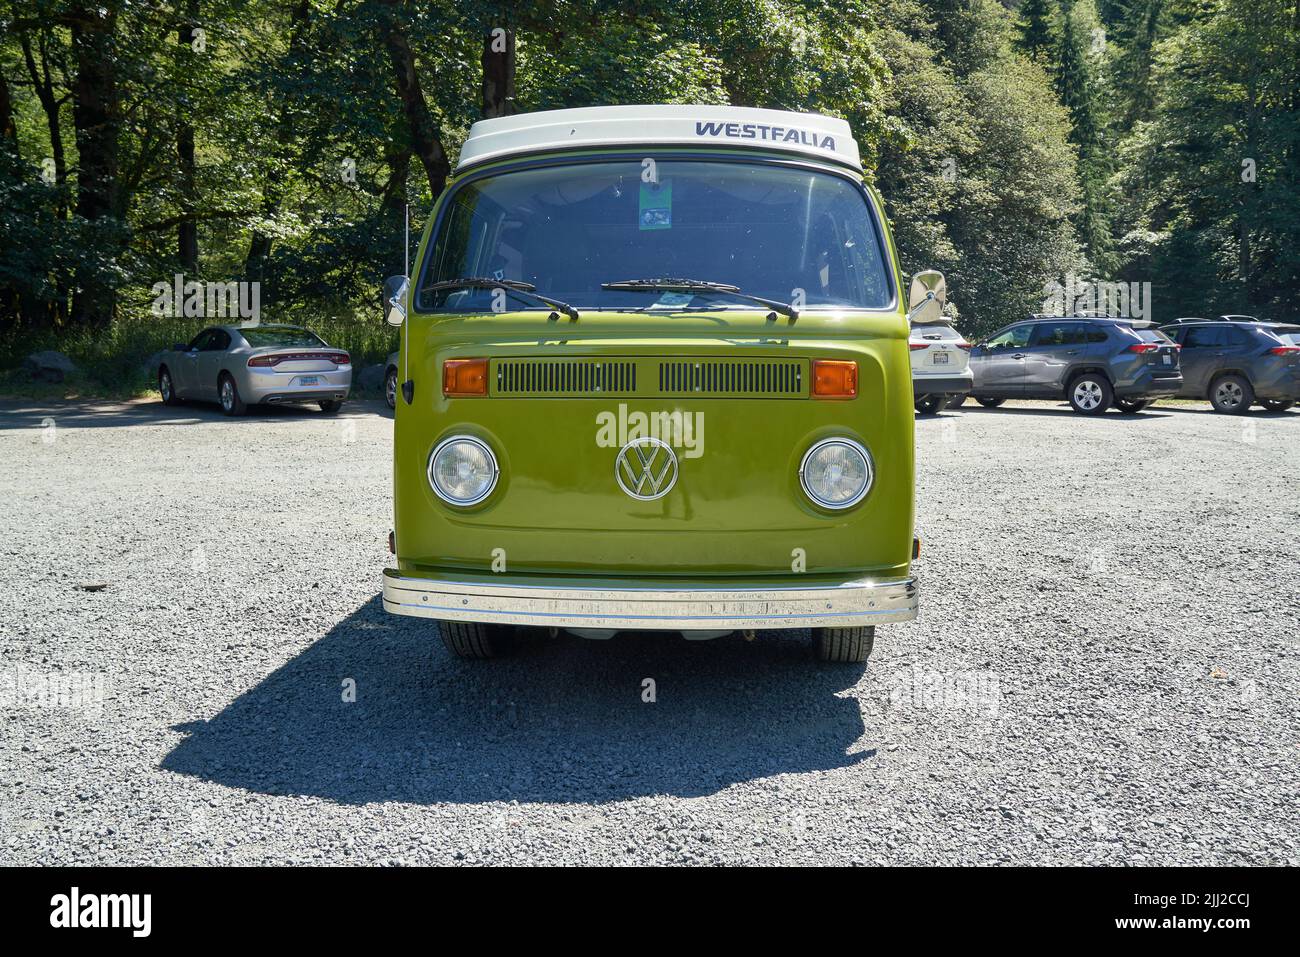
(1091, 362)
(1238, 361)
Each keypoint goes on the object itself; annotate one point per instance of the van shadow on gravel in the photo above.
(562, 720)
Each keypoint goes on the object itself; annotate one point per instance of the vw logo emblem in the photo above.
(646, 469)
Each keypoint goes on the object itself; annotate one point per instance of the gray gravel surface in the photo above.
(1104, 670)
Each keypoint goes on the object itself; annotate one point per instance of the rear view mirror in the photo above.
(928, 295)
(395, 290)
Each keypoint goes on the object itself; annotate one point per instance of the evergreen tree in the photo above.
(1035, 35)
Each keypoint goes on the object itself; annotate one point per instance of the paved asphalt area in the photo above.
(1104, 670)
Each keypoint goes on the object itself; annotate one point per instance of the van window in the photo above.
(567, 229)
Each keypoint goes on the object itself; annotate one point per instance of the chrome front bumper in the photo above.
(570, 604)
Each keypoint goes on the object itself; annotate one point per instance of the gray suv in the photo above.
(1091, 362)
(1238, 361)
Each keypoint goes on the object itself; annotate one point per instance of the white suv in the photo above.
(941, 370)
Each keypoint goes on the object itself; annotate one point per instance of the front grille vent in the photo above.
(732, 377)
(650, 377)
(568, 377)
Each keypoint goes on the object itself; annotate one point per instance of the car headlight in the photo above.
(836, 473)
(462, 470)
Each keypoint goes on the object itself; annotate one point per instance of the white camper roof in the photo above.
(806, 134)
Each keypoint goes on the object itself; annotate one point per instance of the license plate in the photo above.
(941, 358)
(309, 380)
(1169, 360)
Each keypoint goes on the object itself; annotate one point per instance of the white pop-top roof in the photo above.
(807, 134)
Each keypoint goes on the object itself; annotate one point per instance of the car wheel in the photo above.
(956, 402)
(844, 644)
(990, 403)
(1132, 405)
(166, 387)
(390, 388)
(475, 640)
(1231, 395)
(228, 393)
(1276, 405)
(929, 404)
(1090, 394)
(330, 406)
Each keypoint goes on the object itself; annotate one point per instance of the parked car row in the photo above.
(1096, 362)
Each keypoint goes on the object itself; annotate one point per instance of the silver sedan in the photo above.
(239, 366)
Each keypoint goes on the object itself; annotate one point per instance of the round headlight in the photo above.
(836, 473)
(462, 470)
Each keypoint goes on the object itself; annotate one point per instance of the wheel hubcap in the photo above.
(390, 388)
(166, 386)
(1229, 393)
(227, 394)
(1087, 395)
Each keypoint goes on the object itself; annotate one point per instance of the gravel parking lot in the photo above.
(1104, 670)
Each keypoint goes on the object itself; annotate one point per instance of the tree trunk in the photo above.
(8, 132)
(44, 88)
(498, 72)
(421, 127)
(96, 119)
(393, 205)
(187, 231)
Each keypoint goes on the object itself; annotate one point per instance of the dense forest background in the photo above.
(1016, 143)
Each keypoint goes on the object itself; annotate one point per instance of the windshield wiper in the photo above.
(700, 285)
(514, 285)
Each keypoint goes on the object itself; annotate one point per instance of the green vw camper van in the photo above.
(654, 376)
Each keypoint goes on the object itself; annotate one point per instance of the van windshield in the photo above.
(783, 233)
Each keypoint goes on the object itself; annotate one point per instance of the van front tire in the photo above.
(474, 640)
(848, 645)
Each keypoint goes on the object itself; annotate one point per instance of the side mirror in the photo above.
(395, 290)
(927, 297)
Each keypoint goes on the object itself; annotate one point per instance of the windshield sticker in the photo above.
(656, 210)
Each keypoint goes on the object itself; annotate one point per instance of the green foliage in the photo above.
(1012, 147)
(977, 171)
(1214, 175)
(1035, 33)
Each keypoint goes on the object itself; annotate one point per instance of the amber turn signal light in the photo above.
(834, 379)
(463, 377)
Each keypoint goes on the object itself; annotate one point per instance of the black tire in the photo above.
(849, 645)
(1089, 394)
(956, 402)
(331, 406)
(989, 403)
(475, 640)
(1132, 405)
(1231, 394)
(1276, 405)
(228, 395)
(390, 387)
(929, 404)
(167, 387)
